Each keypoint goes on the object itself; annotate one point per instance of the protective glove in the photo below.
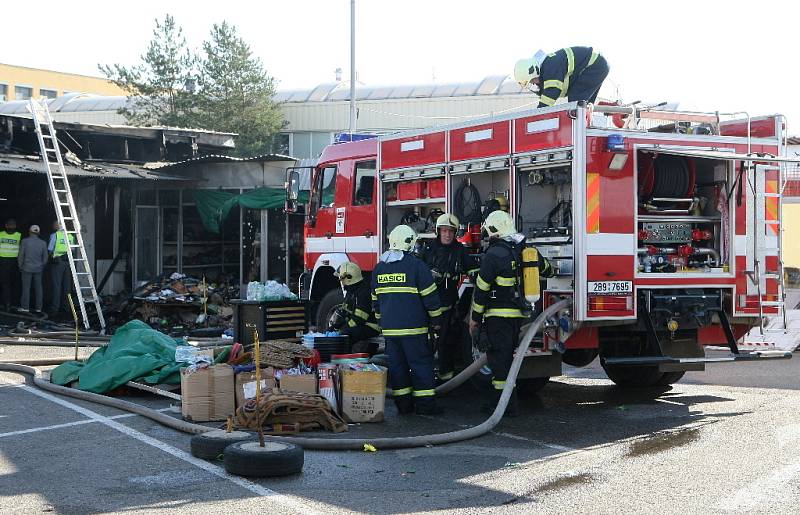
(481, 341)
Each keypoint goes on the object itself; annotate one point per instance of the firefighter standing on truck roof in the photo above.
(448, 260)
(407, 306)
(497, 302)
(574, 72)
(354, 317)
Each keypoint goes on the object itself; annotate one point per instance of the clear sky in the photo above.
(707, 55)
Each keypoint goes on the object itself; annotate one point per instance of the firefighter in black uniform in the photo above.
(448, 260)
(354, 317)
(497, 302)
(407, 308)
(574, 72)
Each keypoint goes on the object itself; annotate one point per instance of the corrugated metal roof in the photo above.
(217, 158)
(340, 91)
(32, 164)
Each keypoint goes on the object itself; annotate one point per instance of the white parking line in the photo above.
(66, 424)
(762, 490)
(182, 455)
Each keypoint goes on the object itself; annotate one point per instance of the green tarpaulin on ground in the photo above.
(135, 352)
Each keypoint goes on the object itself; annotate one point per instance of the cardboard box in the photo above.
(246, 384)
(306, 383)
(363, 394)
(207, 394)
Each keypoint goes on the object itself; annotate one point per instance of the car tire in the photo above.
(210, 445)
(332, 300)
(276, 458)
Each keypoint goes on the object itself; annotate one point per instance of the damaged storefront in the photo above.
(225, 222)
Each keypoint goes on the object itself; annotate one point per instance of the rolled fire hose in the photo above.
(332, 443)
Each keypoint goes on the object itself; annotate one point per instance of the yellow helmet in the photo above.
(502, 201)
(402, 237)
(349, 273)
(499, 224)
(447, 220)
(528, 69)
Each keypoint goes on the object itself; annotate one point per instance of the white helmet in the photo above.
(447, 220)
(349, 273)
(528, 69)
(499, 224)
(402, 237)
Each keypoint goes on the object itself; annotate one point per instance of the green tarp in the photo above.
(215, 205)
(135, 352)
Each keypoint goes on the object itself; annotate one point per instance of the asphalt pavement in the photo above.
(580, 445)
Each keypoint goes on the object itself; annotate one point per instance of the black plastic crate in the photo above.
(275, 320)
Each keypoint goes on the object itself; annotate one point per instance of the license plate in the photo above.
(610, 287)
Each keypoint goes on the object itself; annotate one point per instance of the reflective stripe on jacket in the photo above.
(404, 297)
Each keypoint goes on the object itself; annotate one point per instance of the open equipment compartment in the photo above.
(684, 214)
(544, 197)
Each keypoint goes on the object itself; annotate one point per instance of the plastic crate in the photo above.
(436, 188)
(412, 190)
(275, 320)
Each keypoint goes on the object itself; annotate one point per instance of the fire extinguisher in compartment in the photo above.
(530, 274)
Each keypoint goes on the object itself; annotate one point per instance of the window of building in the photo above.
(22, 93)
(3, 92)
(309, 144)
(364, 183)
(48, 93)
(319, 140)
(280, 144)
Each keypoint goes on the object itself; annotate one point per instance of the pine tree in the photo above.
(235, 93)
(162, 85)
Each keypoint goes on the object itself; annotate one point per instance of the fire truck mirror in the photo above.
(292, 185)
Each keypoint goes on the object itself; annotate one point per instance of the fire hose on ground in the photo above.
(331, 443)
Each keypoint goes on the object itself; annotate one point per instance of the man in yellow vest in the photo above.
(59, 268)
(9, 251)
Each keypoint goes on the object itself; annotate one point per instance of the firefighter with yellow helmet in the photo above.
(407, 308)
(448, 260)
(354, 317)
(497, 302)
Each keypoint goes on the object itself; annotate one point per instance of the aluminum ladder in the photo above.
(65, 211)
(762, 225)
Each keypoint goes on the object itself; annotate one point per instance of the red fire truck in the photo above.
(662, 226)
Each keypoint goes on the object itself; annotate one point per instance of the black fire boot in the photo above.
(512, 409)
(405, 404)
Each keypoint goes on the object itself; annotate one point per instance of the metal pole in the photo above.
(352, 68)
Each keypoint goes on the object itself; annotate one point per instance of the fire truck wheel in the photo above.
(633, 376)
(332, 300)
(531, 385)
(670, 378)
(210, 445)
(274, 459)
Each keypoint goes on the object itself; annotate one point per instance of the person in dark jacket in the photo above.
(32, 260)
(407, 308)
(574, 72)
(355, 317)
(497, 303)
(448, 260)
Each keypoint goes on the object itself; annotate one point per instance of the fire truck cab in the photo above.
(662, 227)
